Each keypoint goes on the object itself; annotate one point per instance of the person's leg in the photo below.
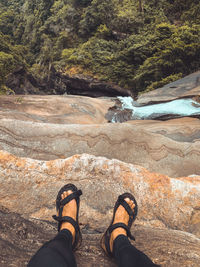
(127, 255)
(58, 252)
(124, 252)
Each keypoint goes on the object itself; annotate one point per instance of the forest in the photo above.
(136, 44)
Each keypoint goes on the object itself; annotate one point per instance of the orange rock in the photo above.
(30, 187)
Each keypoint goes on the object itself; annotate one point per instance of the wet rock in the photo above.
(189, 87)
(126, 109)
(115, 115)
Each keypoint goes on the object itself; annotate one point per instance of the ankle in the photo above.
(115, 233)
(68, 226)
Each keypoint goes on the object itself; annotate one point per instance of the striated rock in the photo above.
(20, 239)
(189, 86)
(55, 109)
(163, 201)
(170, 147)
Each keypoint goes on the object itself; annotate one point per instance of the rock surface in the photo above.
(55, 109)
(165, 202)
(22, 82)
(189, 86)
(170, 147)
(41, 127)
(29, 187)
(21, 238)
(46, 128)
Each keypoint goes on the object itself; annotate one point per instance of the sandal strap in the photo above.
(74, 195)
(126, 206)
(67, 219)
(121, 225)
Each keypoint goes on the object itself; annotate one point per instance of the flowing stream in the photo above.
(176, 108)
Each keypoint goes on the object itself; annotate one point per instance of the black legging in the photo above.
(58, 253)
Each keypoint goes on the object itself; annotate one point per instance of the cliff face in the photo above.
(23, 82)
(29, 187)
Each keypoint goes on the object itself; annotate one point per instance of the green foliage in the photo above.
(6, 65)
(177, 9)
(103, 32)
(141, 47)
(178, 54)
(82, 3)
(99, 12)
(164, 81)
(10, 57)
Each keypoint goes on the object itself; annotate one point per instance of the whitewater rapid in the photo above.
(179, 107)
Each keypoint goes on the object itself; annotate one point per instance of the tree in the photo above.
(140, 6)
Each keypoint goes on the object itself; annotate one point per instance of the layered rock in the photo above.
(55, 109)
(189, 86)
(29, 187)
(170, 147)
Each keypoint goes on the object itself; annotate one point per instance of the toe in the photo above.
(128, 200)
(64, 195)
(132, 205)
(69, 192)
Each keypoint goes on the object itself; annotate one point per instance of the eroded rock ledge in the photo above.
(29, 188)
(22, 82)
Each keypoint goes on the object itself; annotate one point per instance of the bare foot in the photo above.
(121, 216)
(70, 209)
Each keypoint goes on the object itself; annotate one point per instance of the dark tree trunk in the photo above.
(140, 6)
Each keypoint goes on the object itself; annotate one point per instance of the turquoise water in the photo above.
(180, 107)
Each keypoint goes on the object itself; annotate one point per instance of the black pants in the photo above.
(58, 253)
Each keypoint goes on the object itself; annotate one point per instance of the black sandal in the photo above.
(59, 207)
(105, 240)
